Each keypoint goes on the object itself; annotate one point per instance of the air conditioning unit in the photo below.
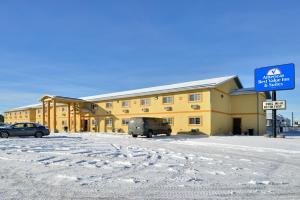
(145, 109)
(125, 111)
(168, 108)
(195, 130)
(195, 107)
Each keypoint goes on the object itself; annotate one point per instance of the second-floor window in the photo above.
(194, 97)
(125, 104)
(145, 102)
(167, 100)
(109, 105)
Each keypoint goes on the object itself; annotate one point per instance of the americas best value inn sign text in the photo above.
(281, 77)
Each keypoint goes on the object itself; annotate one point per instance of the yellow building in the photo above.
(211, 106)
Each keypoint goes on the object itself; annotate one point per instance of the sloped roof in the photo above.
(248, 91)
(25, 107)
(206, 83)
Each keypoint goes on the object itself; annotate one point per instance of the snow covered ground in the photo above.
(107, 166)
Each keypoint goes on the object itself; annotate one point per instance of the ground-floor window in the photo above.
(194, 120)
(125, 122)
(169, 120)
(109, 122)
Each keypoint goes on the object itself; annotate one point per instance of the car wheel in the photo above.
(4, 135)
(38, 135)
(169, 132)
(134, 135)
(149, 135)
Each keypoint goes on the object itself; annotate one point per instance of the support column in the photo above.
(80, 122)
(69, 117)
(54, 115)
(74, 116)
(48, 115)
(43, 113)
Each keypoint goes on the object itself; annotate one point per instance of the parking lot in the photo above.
(108, 166)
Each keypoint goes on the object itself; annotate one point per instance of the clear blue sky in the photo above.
(79, 48)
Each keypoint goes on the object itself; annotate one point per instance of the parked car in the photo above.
(2, 124)
(24, 129)
(148, 126)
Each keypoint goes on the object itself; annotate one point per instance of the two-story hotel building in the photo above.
(212, 106)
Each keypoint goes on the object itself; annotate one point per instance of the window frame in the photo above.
(144, 100)
(109, 103)
(109, 119)
(192, 101)
(166, 97)
(166, 121)
(194, 118)
(126, 106)
(125, 119)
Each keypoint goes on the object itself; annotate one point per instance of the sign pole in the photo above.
(292, 119)
(274, 118)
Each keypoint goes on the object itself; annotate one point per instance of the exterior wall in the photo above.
(181, 111)
(226, 107)
(250, 111)
(27, 115)
(221, 108)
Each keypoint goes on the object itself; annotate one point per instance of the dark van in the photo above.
(148, 126)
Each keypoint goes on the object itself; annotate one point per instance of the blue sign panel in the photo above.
(280, 77)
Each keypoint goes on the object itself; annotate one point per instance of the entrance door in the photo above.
(237, 126)
(85, 125)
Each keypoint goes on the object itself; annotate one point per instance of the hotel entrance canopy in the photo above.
(75, 103)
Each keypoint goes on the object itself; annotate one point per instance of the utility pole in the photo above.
(274, 118)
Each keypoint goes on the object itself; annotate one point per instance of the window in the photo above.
(26, 113)
(93, 122)
(194, 121)
(194, 97)
(18, 126)
(125, 104)
(38, 111)
(125, 122)
(109, 122)
(109, 105)
(63, 123)
(145, 102)
(169, 121)
(167, 100)
(62, 109)
(30, 125)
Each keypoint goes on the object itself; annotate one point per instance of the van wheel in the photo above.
(38, 135)
(169, 132)
(149, 135)
(4, 135)
(134, 135)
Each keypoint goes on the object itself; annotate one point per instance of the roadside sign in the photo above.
(274, 105)
(280, 77)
